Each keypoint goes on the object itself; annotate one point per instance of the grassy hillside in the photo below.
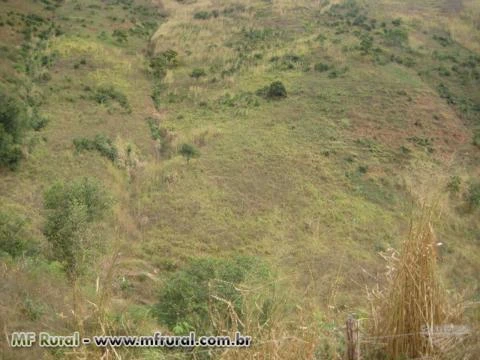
(169, 106)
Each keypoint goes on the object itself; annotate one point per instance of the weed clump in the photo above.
(198, 73)
(106, 94)
(205, 15)
(321, 67)
(189, 151)
(453, 185)
(473, 196)
(12, 127)
(163, 61)
(100, 143)
(14, 239)
(476, 139)
(189, 296)
(275, 90)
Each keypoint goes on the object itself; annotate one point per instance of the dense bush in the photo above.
(161, 135)
(476, 139)
(197, 73)
(454, 184)
(12, 126)
(37, 121)
(473, 196)
(185, 300)
(14, 239)
(321, 67)
(101, 143)
(275, 90)
(72, 207)
(163, 61)
(188, 151)
(396, 37)
(105, 94)
(205, 15)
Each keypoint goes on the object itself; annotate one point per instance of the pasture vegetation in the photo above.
(221, 165)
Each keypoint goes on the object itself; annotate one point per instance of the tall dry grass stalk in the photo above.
(414, 303)
(279, 330)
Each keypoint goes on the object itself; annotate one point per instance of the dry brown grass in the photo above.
(277, 333)
(410, 317)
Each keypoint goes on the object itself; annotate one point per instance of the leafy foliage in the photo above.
(105, 94)
(12, 126)
(275, 90)
(101, 143)
(72, 207)
(163, 61)
(189, 151)
(14, 238)
(185, 299)
(198, 73)
(473, 196)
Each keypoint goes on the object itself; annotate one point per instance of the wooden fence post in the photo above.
(352, 339)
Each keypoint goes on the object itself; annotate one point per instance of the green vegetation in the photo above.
(185, 300)
(473, 196)
(12, 126)
(189, 151)
(454, 184)
(235, 137)
(14, 238)
(205, 15)
(275, 90)
(100, 143)
(72, 208)
(198, 73)
(106, 94)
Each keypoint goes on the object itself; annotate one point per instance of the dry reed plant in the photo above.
(278, 330)
(412, 317)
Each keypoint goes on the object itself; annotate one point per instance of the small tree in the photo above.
(188, 151)
(72, 208)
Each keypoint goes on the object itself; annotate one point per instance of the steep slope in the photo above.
(170, 105)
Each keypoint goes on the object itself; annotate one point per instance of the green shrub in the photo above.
(189, 151)
(185, 300)
(454, 184)
(14, 239)
(197, 73)
(72, 207)
(396, 37)
(120, 35)
(275, 90)
(103, 144)
(473, 196)
(105, 147)
(288, 61)
(105, 94)
(37, 121)
(366, 44)
(446, 94)
(321, 67)
(161, 62)
(12, 127)
(476, 139)
(202, 15)
(161, 135)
